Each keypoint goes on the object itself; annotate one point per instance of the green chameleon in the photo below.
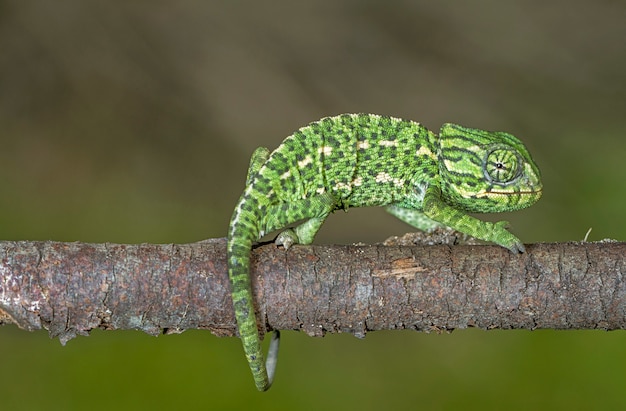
(361, 160)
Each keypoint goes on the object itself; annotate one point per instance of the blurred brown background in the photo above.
(134, 122)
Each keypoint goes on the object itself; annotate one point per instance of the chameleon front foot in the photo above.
(504, 238)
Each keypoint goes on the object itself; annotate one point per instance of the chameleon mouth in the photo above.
(517, 192)
(498, 193)
(509, 193)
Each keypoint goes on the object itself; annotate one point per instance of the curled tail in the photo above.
(243, 232)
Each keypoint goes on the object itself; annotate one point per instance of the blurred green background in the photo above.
(134, 122)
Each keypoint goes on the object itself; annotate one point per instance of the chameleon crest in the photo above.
(360, 160)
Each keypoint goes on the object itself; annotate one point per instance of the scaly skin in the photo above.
(362, 160)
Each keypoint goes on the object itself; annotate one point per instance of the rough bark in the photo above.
(72, 288)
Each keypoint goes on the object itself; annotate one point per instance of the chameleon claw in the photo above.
(517, 248)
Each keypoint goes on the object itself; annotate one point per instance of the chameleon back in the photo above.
(359, 159)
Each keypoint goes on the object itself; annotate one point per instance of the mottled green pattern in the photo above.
(358, 160)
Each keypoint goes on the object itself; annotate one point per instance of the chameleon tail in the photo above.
(239, 243)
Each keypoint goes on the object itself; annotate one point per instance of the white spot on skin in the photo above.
(326, 150)
(363, 145)
(320, 190)
(357, 182)
(425, 151)
(285, 175)
(387, 178)
(383, 177)
(388, 143)
(304, 162)
(342, 186)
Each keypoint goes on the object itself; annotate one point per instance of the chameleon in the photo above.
(362, 160)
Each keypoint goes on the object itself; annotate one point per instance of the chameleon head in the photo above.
(486, 171)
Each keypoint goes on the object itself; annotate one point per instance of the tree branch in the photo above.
(72, 288)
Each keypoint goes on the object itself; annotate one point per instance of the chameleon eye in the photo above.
(502, 165)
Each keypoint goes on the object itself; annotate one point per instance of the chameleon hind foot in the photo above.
(287, 238)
